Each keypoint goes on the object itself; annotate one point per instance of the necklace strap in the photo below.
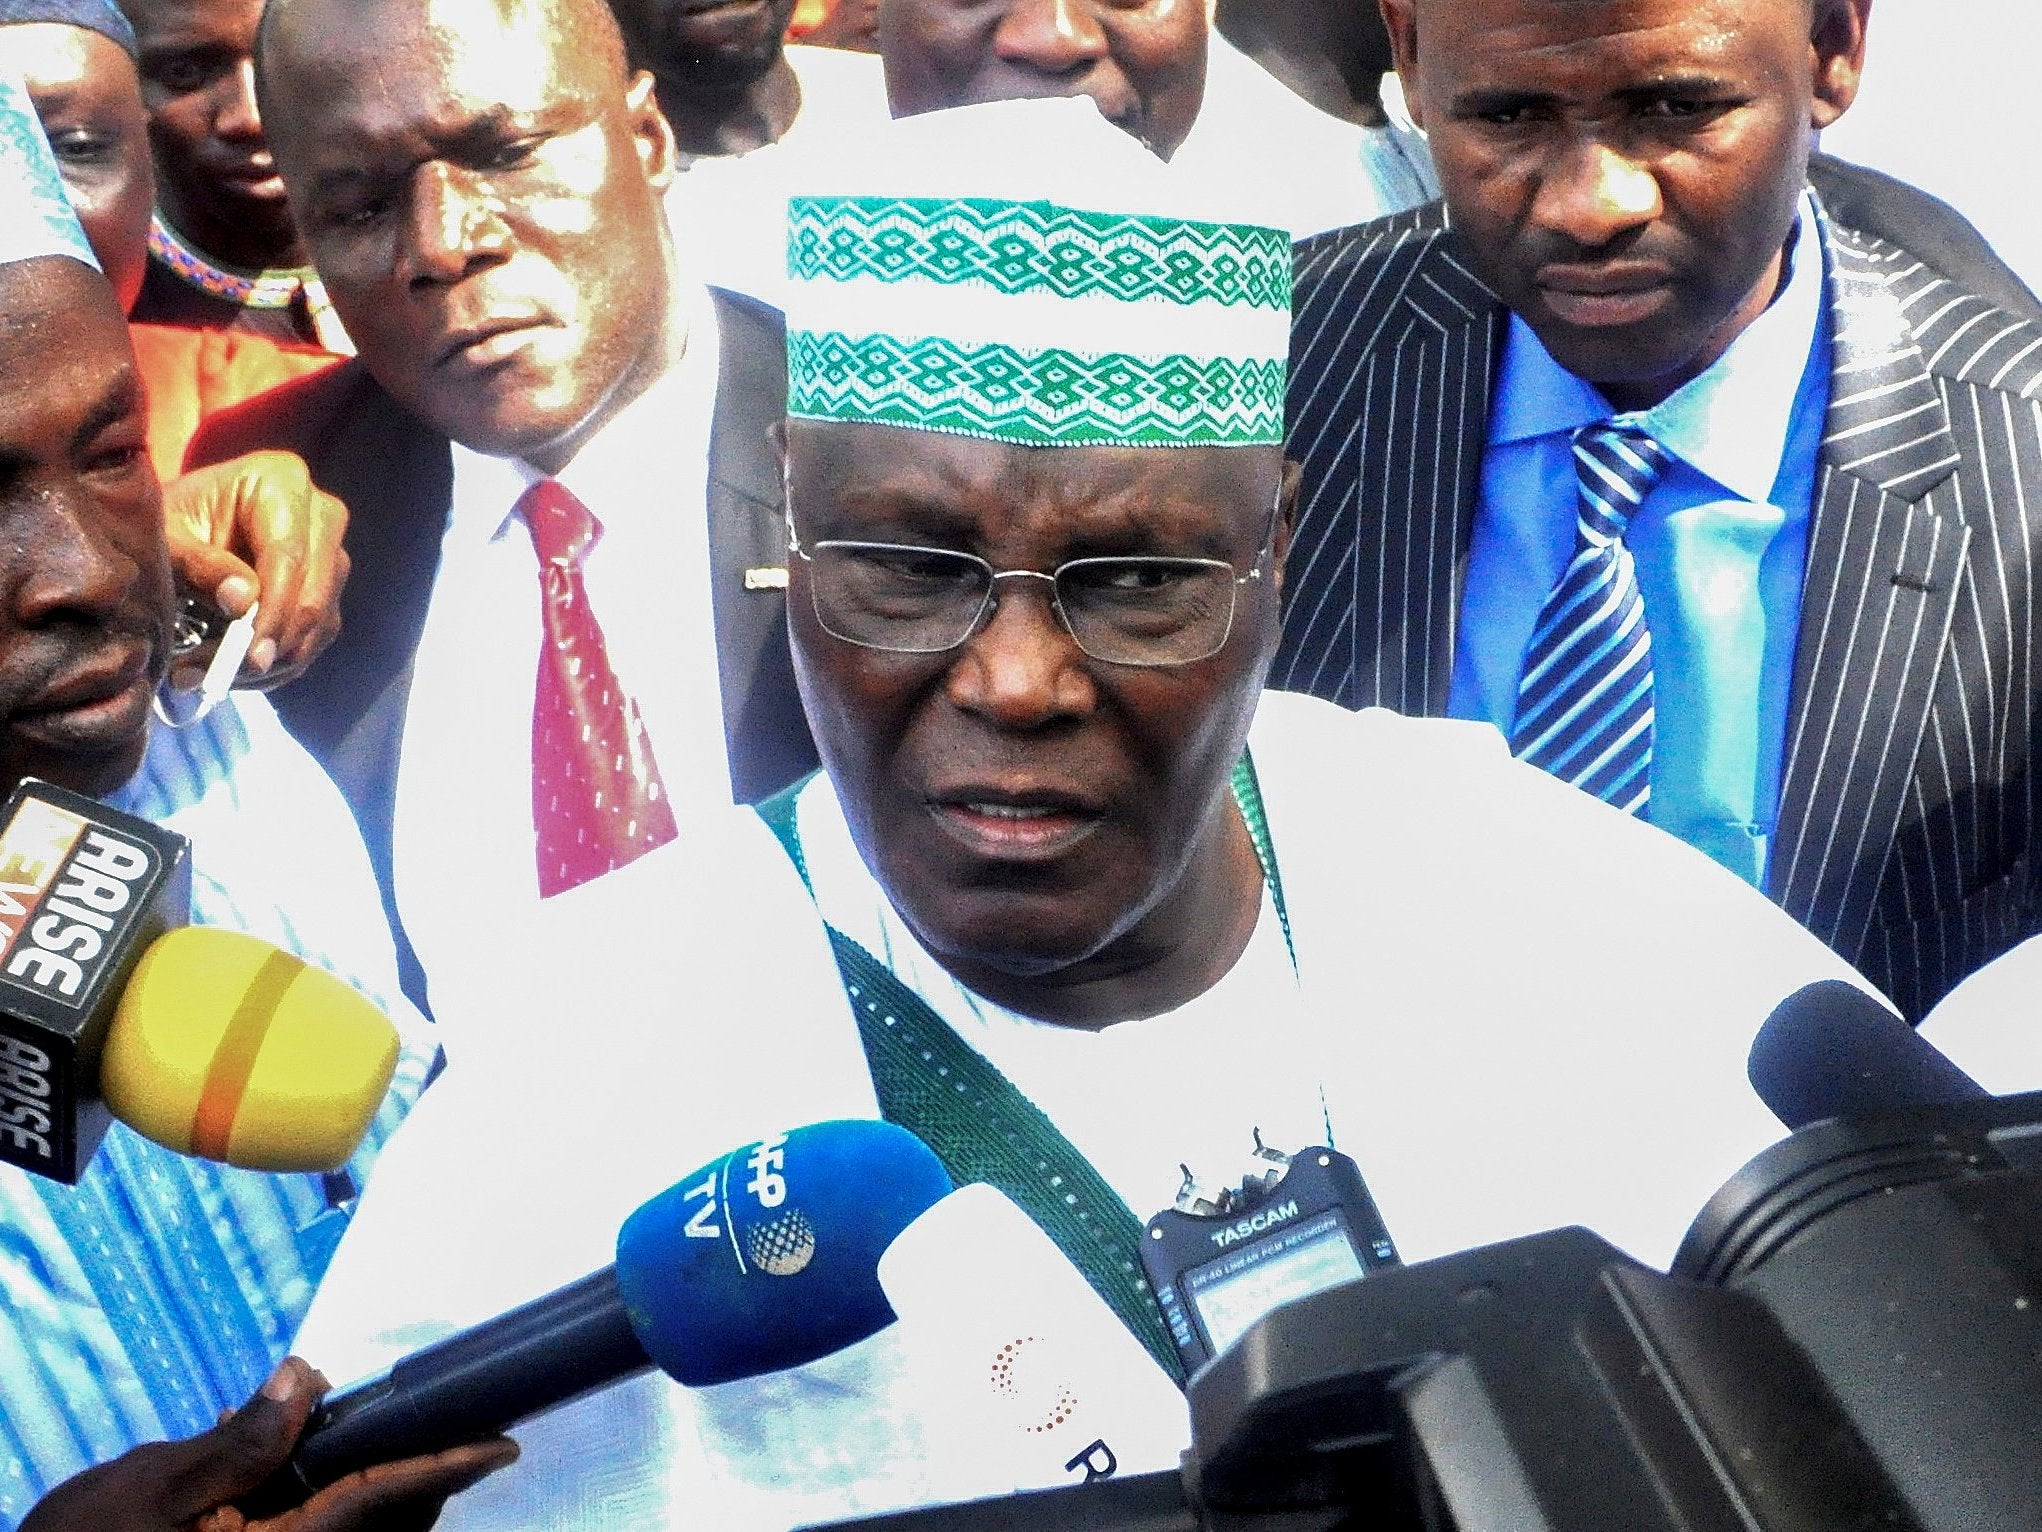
(981, 1126)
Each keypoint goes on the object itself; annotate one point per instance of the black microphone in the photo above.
(1831, 1050)
(84, 889)
(765, 1259)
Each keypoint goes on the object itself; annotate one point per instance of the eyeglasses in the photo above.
(1124, 611)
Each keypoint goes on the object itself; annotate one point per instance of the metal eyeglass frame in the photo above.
(989, 601)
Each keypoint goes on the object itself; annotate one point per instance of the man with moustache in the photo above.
(537, 389)
(159, 1291)
(1714, 504)
(1102, 907)
(224, 253)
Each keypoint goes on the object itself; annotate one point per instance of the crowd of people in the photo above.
(1104, 580)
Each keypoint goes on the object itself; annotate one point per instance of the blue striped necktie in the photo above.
(1584, 707)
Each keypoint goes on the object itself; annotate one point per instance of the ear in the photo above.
(1837, 45)
(650, 132)
(1400, 17)
(1286, 520)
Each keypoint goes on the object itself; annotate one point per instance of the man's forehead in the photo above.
(434, 67)
(60, 324)
(856, 471)
(170, 23)
(460, 40)
(1488, 21)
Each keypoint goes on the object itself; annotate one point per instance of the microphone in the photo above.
(1031, 1380)
(762, 1260)
(1831, 1050)
(227, 1048)
(210, 1042)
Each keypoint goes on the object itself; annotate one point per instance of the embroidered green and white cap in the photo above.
(1026, 272)
(35, 212)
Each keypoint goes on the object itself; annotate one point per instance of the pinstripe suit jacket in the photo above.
(1909, 805)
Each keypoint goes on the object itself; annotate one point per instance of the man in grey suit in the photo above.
(1715, 506)
(480, 183)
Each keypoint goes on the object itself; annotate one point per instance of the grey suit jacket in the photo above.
(1907, 829)
(396, 476)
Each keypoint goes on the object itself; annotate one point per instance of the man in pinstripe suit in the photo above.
(1836, 567)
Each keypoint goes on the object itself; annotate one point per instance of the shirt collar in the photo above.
(1730, 423)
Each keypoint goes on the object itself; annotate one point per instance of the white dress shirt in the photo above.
(464, 863)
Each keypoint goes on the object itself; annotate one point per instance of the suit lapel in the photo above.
(1886, 553)
(764, 726)
(1424, 424)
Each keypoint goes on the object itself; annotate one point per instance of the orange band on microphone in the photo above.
(212, 1124)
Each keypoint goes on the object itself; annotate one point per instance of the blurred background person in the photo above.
(852, 24)
(1157, 69)
(77, 58)
(224, 253)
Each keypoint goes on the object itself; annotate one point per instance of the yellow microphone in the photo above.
(225, 1047)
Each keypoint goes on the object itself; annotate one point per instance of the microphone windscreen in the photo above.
(1027, 1377)
(768, 1258)
(1831, 1050)
(228, 1048)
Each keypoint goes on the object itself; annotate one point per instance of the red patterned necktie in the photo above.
(597, 800)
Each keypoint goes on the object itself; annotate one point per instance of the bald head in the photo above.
(479, 183)
(298, 30)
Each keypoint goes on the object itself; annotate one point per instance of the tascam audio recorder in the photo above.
(1219, 1260)
(84, 890)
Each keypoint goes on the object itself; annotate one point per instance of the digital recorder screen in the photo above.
(1231, 1293)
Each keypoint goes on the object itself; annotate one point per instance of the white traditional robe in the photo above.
(1515, 1007)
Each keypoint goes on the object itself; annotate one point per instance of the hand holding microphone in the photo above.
(762, 1260)
(199, 1482)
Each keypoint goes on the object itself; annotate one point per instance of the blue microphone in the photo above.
(762, 1260)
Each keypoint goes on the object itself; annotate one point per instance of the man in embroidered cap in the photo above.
(1104, 908)
(158, 1291)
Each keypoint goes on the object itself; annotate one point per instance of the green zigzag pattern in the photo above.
(1048, 397)
(1031, 247)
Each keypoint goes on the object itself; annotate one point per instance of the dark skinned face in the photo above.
(84, 578)
(718, 42)
(1142, 61)
(86, 93)
(1040, 817)
(483, 201)
(1624, 172)
(216, 178)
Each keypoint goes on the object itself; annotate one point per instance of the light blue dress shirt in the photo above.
(1720, 547)
(161, 1290)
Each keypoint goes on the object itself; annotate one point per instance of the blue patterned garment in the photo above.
(161, 1290)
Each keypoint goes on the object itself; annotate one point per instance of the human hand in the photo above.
(257, 527)
(191, 1486)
